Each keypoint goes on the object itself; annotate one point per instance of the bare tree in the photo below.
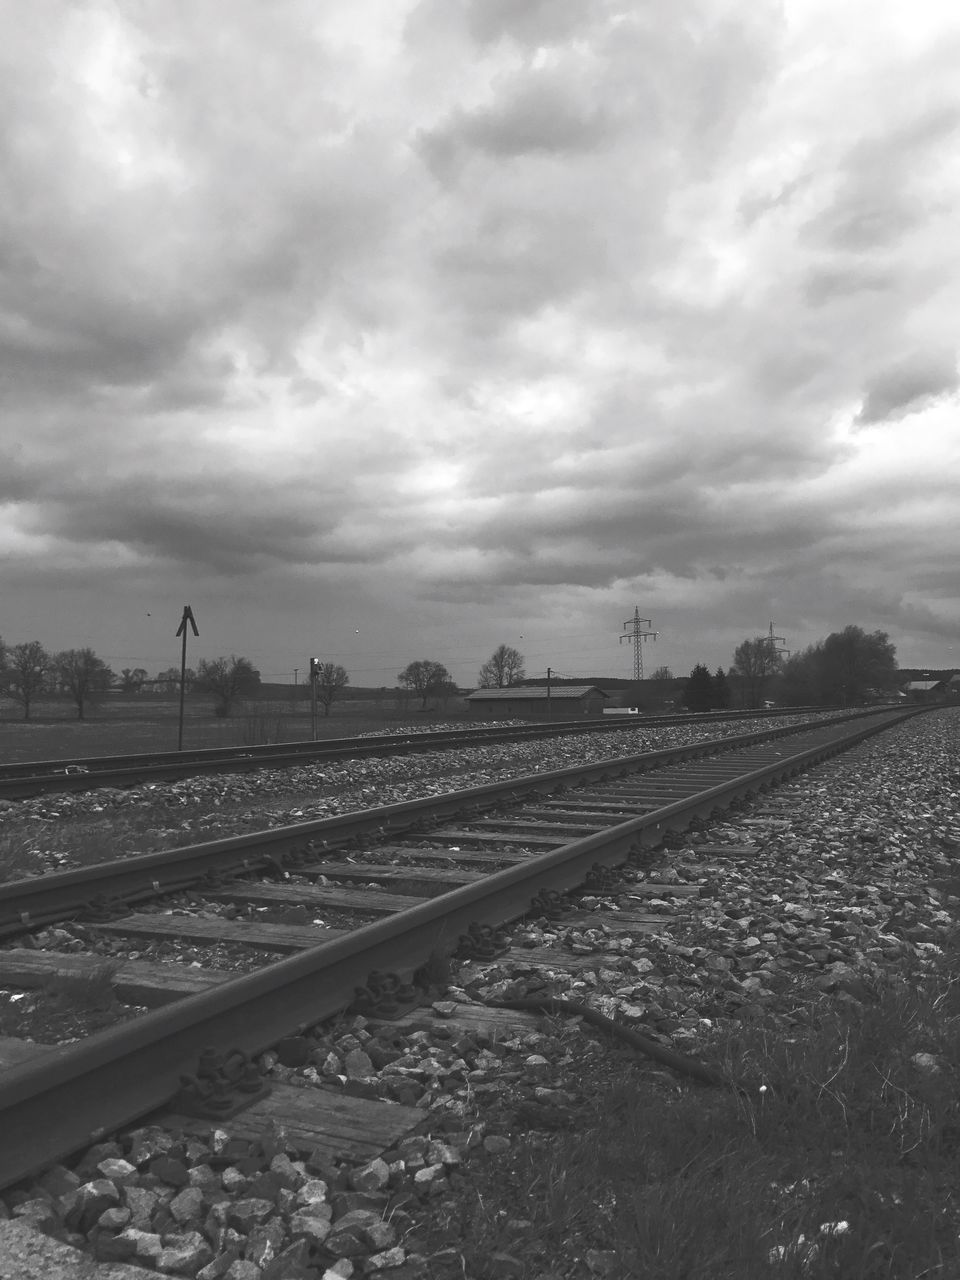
(425, 678)
(663, 673)
(24, 675)
(83, 675)
(330, 678)
(226, 679)
(167, 683)
(756, 660)
(504, 667)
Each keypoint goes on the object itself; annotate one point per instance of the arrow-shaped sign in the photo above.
(187, 617)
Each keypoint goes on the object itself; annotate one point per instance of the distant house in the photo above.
(530, 702)
(926, 690)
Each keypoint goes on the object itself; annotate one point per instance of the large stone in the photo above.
(357, 1064)
(25, 1254)
(371, 1177)
(219, 1266)
(243, 1269)
(309, 1226)
(148, 1244)
(141, 1202)
(187, 1205)
(359, 1231)
(386, 1260)
(184, 1255)
(246, 1214)
(90, 1200)
(313, 1191)
(263, 1244)
(294, 1263)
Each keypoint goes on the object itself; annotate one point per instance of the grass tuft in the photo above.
(837, 1157)
(83, 992)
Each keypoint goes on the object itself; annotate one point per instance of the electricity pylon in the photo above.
(776, 641)
(634, 632)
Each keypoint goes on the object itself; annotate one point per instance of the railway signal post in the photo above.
(182, 631)
(314, 677)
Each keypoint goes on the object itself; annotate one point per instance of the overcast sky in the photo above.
(397, 329)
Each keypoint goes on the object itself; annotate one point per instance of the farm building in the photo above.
(925, 690)
(531, 702)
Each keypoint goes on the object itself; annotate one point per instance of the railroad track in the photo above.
(20, 781)
(424, 886)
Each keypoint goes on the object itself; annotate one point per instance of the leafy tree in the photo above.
(721, 689)
(83, 675)
(756, 661)
(662, 673)
(503, 668)
(800, 683)
(852, 663)
(699, 693)
(330, 678)
(24, 675)
(226, 679)
(846, 667)
(132, 681)
(425, 678)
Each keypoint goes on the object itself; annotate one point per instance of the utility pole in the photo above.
(634, 632)
(293, 700)
(549, 708)
(182, 631)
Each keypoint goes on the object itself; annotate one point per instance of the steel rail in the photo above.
(27, 904)
(55, 1105)
(25, 779)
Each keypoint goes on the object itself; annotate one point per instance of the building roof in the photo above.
(922, 686)
(534, 693)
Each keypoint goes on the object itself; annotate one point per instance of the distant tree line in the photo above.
(848, 667)
(28, 672)
(706, 692)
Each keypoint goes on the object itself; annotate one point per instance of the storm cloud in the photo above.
(441, 323)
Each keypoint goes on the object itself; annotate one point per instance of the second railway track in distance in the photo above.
(423, 876)
(25, 779)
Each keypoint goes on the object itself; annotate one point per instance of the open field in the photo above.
(121, 727)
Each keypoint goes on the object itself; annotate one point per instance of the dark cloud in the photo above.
(528, 23)
(196, 525)
(908, 386)
(837, 283)
(538, 114)
(529, 307)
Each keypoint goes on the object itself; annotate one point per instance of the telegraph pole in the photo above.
(182, 631)
(549, 708)
(634, 632)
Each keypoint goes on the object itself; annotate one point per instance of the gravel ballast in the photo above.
(114, 822)
(850, 875)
